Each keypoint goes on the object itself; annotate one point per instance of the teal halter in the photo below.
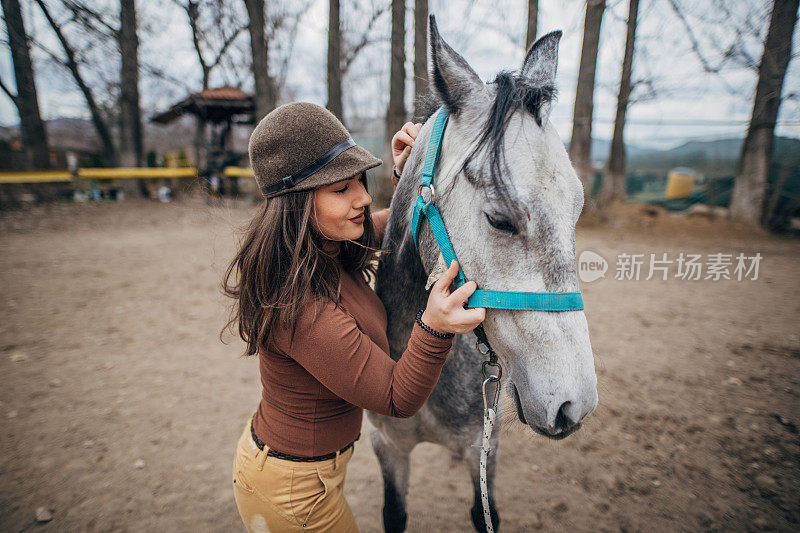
(531, 301)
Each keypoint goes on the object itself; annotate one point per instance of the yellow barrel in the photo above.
(680, 182)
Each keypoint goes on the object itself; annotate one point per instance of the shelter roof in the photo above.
(215, 105)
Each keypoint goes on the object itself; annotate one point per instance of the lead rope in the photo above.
(489, 416)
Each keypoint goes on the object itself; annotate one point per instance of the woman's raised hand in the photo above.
(445, 311)
(402, 141)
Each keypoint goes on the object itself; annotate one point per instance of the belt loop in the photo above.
(336, 459)
(260, 460)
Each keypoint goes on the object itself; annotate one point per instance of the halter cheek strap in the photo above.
(531, 301)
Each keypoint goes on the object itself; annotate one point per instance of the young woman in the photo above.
(303, 304)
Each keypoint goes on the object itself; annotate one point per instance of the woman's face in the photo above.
(337, 208)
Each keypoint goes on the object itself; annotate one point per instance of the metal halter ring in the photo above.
(492, 377)
(433, 193)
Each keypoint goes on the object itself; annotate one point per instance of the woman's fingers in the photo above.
(400, 142)
(472, 316)
(463, 293)
(401, 139)
(475, 314)
(447, 278)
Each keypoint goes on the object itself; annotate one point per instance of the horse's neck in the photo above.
(401, 281)
(401, 287)
(401, 276)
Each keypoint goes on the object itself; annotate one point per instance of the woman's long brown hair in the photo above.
(281, 266)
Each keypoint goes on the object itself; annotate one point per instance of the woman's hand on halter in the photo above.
(402, 141)
(445, 311)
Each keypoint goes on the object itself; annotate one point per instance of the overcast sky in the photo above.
(688, 103)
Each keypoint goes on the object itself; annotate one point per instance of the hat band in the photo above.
(310, 170)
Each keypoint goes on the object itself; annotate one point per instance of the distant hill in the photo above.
(713, 158)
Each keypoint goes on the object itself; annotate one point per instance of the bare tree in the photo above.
(533, 15)
(218, 33)
(747, 202)
(130, 117)
(109, 152)
(361, 27)
(266, 96)
(396, 112)
(580, 146)
(32, 132)
(420, 54)
(728, 40)
(222, 27)
(334, 60)
(614, 180)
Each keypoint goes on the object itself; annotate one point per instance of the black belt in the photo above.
(290, 457)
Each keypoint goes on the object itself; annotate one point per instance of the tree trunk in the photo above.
(749, 190)
(266, 96)
(614, 181)
(580, 146)
(99, 123)
(130, 117)
(533, 15)
(32, 132)
(396, 113)
(420, 54)
(334, 60)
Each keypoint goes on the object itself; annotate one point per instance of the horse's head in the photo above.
(510, 200)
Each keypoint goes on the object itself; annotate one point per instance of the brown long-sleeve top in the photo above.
(316, 387)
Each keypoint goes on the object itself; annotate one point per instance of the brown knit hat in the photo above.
(301, 146)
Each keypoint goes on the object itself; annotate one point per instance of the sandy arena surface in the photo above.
(120, 407)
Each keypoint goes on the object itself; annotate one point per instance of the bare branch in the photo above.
(89, 18)
(695, 44)
(365, 40)
(227, 43)
(193, 12)
(99, 123)
(6, 90)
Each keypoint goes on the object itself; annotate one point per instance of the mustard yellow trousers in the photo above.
(278, 495)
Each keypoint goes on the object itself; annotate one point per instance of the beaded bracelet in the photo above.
(396, 174)
(431, 330)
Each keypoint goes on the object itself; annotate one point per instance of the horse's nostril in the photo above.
(562, 422)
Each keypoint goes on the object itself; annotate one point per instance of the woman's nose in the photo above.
(365, 198)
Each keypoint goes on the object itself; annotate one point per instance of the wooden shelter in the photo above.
(218, 109)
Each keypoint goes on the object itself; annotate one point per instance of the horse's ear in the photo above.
(539, 68)
(450, 76)
(541, 60)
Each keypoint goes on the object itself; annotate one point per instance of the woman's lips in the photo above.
(357, 220)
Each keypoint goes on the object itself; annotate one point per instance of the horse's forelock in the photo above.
(512, 92)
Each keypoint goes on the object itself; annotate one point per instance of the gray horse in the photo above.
(510, 200)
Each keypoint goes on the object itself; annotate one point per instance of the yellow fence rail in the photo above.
(137, 172)
(115, 173)
(50, 176)
(238, 172)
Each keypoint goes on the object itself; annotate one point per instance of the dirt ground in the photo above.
(120, 408)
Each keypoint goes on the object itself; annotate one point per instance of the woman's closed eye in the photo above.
(362, 179)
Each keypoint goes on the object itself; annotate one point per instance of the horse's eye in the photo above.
(502, 225)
